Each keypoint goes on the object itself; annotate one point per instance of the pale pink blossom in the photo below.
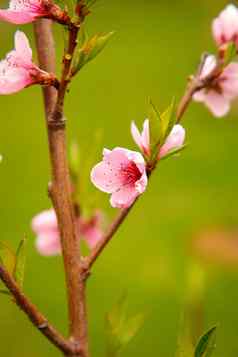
(91, 229)
(142, 139)
(122, 173)
(17, 70)
(225, 26)
(222, 90)
(175, 140)
(45, 226)
(26, 11)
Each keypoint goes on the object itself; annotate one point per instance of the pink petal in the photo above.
(146, 136)
(105, 178)
(22, 47)
(141, 184)
(124, 197)
(208, 66)
(174, 141)
(48, 245)
(217, 103)
(16, 17)
(14, 80)
(200, 96)
(136, 135)
(92, 236)
(142, 139)
(217, 31)
(44, 222)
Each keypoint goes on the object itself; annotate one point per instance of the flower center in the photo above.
(130, 173)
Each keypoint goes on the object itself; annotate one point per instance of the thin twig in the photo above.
(194, 85)
(96, 252)
(35, 316)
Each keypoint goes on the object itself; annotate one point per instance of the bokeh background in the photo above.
(156, 46)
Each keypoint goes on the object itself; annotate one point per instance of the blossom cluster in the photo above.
(122, 173)
(223, 88)
(45, 226)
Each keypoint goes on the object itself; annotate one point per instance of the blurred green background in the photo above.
(156, 46)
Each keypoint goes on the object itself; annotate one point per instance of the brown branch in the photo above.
(192, 88)
(96, 252)
(35, 316)
(61, 186)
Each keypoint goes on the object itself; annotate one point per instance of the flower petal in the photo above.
(16, 17)
(124, 197)
(217, 103)
(22, 47)
(136, 135)
(48, 245)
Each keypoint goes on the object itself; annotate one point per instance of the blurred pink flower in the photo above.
(222, 89)
(17, 70)
(90, 229)
(174, 141)
(121, 173)
(225, 26)
(45, 226)
(142, 139)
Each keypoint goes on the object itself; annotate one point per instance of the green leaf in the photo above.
(90, 49)
(230, 53)
(19, 269)
(8, 257)
(206, 343)
(120, 328)
(155, 128)
(131, 328)
(117, 316)
(168, 120)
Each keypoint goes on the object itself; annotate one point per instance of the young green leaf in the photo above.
(206, 343)
(8, 257)
(90, 49)
(19, 269)
(120, 328)
(229, 54)
(168, 120)
(131, 328)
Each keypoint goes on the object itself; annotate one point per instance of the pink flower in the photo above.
(17, 70)
(174, 141)
(25, 11)
(91, 229)
(225, 26)
(45, 226)
(222, 89)
(142, 139)
(122, 173)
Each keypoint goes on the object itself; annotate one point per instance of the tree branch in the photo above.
(61, 186)
(35, 316)
(96, 252)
